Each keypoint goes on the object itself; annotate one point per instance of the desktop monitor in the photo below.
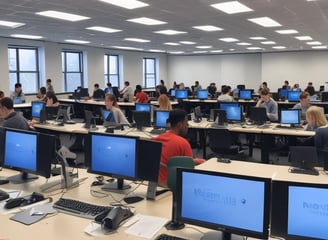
(290, 116)
(142, 119)
(17, 100)
(233, 204)
(202, 94)
(89, 120)
(114, 156)
(218, 116)
(283, 92)
(258, 115)
(81, 93)
(146, 107)
(64, 113)
(304, 158)
(37, 106)
(181, 93)
(233, 111)
(172, 92)
(245, 94)
(197, 114)
(161, 117)
(293, 96)
(299, 210)
(29, 152)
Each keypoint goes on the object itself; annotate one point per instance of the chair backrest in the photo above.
(173, 164)
(219, 139)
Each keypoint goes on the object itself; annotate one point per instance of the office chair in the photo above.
(172, 165)
(220, 142)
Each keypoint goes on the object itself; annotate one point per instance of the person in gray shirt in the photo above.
(12, 119)
(303, 105)
(269, 104)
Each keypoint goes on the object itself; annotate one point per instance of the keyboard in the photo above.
(164, 236)
(80, 209)
(304, 171)
(289, 127)
(157, 131)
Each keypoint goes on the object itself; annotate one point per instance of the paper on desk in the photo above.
(94, 229)
(146, 226)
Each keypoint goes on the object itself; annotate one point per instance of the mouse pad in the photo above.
(33, 214)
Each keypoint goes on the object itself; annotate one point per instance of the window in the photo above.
(149, 67)
(72, 68)
(112, 70)
(24, 68)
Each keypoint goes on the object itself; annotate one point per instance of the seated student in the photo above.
(321, 138)
(174, 143)
(2, 94)
(12, 119)
(264, 85)
(164, 102)
(269, 104)
(310, 89)
(42, 94)
(315, 118)
(196, 87)
(141, 96)
(212, 90)
(296, 87)
(109, 89)
(304, 104)
(286, 85)
(18, 93)
(51, 100)
(116, 115)
(98, 93)
(225, 94)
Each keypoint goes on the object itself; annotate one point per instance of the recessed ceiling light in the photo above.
(77, 41)
(287, 31)
(187, 42)
(279, 47)
(314, 43)
(228, 39)
(232, 7)
(128, 48)
(171, 43)
(146, 21)
(208, 28)
(200, 51)
(156, 50)
(243, 43)
(178, 52)
(268, 42)
(231, 49)
(169, 32)
(26, 36)
(254, 48)
(216, 51)
(11, 24)
(103, 29)
(319, 47)
(203, 47)
(257, 38)
(265, 22)
(304, 38)
(128, 4)
(62, 16)
(136, 40)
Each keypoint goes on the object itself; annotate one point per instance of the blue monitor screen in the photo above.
(20, 150)
(293, 96)
(161, 118)
(290, 116)
(202, 94)
(172, 93)
(224, 201)
(105, 113)
(36, 109)
(181, 94)
(245, 94)
(17, 100)
(233, 111)
(114, 155)
(143, 107)
(283, 93)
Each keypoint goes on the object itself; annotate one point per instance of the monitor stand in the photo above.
(221, 235)
(116, 185)
(23, 177)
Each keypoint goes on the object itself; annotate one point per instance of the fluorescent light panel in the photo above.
(177, 52)
(257, 38)
(103, 29)
(304, 38)
(136, 40)
(216, 51)
(26, 36)
(265, 22)
(156, 50)
(232, 7)
(203, 47)
(146, 21)
(169, 32)
(287, 31)
(208, 28)
(77, 41)
(11, 24)
(244, 44)
(314, 43)
(228, 39)
(319, 47)
(279, 47)
(187, 42)
(128, 48)
(268, 42)
(171, 43)
(200, 51)
(254, 48)
(62, 15)
(128, 4)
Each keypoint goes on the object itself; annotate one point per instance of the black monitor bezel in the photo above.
(267, 202)
(114, 175)
(141, 119)
(255, 115)
(37, 102)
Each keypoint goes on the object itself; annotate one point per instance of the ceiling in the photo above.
(309, 18)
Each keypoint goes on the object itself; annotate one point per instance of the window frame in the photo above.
(65, 72)
(108, 75)
(147, 74)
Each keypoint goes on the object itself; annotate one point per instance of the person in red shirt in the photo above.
(141, 96)
(174, 143)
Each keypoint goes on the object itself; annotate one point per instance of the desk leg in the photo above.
(251, 139)
(266, 141)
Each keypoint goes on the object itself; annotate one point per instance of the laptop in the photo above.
(18, 100)
(303, 159)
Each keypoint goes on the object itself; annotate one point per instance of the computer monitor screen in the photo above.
(172, 93)
(161, 117)
(37, 106)
(232, 203)
(233, 111)
(105, 113)
(283, 93)
(17, 100)
(202, 94)
(115, 156)
(293, 96)
(299, 210)
(257, 115)
(142, 119)
(143, 107)
(181, 93)
(290, 116)
(245, 94)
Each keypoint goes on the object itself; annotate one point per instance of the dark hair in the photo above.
(2, 93)
(49, 80)
(127, 83)
(17, 85)
(112, 98)
(7, 103)
(176, 116)
(138, 88)
(226, 89)
(264, 92)
(96, 85)
(304, 95)
(43, 90)
(109, 84)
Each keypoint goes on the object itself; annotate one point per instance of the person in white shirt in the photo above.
(226, 94)
(127, 92)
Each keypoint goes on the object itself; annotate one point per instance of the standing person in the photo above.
(304, 104)
(12, 119)
(50, 88)
(269, 104)
(164, 102)
(161, 88)
(141, 96)
(18, 93)
(174, 143)
(127, 92)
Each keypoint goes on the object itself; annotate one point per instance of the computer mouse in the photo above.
(14, 202)
(132, 199)
(97, 183)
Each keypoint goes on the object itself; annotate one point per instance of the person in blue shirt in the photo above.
(109, 89)
(269, 104)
